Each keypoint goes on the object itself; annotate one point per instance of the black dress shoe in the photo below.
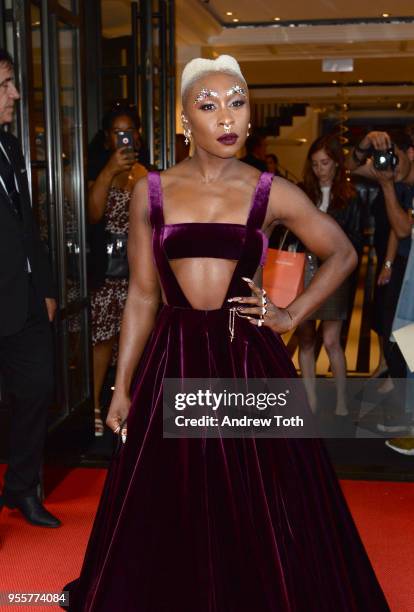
(31, 508)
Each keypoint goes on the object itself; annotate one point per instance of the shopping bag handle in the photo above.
(283, 240)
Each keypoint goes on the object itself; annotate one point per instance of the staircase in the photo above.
(268, 118)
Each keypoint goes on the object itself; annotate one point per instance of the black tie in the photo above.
(7, 174)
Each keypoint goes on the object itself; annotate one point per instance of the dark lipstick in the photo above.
(228, 139)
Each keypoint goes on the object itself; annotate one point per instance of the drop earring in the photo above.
(248, 129)
(187, 131)
(187, 134)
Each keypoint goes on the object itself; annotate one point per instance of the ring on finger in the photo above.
(260, 322)
(264, 311)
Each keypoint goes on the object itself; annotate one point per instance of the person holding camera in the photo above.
(113, 172)
(388, 158)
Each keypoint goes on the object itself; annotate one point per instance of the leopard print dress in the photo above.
(108, 301)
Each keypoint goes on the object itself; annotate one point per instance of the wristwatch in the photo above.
(388, 264)
(363, 152)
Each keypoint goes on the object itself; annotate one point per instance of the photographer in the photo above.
(389, 159)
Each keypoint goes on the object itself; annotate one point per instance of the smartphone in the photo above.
(124, 139)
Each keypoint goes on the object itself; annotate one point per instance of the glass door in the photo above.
(48, 48)
(153, 24)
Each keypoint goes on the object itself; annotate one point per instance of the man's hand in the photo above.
(379, 140)
(357, 161)
(383, 177)
(51, 308)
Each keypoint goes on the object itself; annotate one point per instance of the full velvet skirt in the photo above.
(219, 525)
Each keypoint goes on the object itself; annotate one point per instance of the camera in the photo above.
(125, 139)
(385, 160)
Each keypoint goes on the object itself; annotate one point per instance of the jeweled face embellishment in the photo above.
(205, 93)
(236, 89)
(226, 128)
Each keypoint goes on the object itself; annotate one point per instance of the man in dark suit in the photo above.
(27, 307)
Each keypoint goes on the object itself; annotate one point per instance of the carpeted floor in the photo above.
(34, 559)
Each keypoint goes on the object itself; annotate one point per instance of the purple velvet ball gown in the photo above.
(218, 525)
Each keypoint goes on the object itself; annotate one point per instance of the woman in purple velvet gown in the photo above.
(218, 525)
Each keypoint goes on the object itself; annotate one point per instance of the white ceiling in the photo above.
(267, 10)
(291, 55)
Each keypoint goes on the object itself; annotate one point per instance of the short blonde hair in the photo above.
(200, 66)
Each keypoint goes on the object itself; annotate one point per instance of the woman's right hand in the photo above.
(121, 160)
(118, 411)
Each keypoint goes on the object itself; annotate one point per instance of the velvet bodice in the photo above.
(221, 240)
(246, 244)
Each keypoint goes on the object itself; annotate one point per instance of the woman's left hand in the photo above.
(278, 319)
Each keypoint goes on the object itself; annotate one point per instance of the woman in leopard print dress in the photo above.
(109, 197)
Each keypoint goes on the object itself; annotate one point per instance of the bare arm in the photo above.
(399, 218)
(120, 161)
(366, 171)
(355, 160)
(322, 236)
(392, 246)
(141, 305)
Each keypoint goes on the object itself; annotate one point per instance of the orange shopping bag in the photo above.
(283, 275)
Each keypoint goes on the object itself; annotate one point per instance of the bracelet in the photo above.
(387, 264)
(355, 157)
(361, 150)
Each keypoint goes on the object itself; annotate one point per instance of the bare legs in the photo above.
(331, 331)
(101, 359)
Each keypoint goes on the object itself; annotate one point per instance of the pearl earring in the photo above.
(248, 129)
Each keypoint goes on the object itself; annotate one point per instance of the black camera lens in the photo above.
(385, 160)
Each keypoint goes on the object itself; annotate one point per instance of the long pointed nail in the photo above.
(248, 280)
(234, 299)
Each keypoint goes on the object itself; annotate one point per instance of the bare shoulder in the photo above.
(139, 199)
(247, 172)
(281, 185)
(285, 197)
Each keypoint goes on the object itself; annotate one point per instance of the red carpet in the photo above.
(34, 559)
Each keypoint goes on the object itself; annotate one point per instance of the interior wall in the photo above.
(293, 143)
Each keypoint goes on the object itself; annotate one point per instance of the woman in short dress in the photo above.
(326, 184)
(108, 207)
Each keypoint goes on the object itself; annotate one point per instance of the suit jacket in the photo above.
(19, 242)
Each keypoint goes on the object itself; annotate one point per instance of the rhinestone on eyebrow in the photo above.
(236, 89)
(205, 93)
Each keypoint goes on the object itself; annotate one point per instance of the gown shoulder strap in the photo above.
(260, 200)
(155, 199)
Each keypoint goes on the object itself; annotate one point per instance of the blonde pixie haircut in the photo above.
(200, 66)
